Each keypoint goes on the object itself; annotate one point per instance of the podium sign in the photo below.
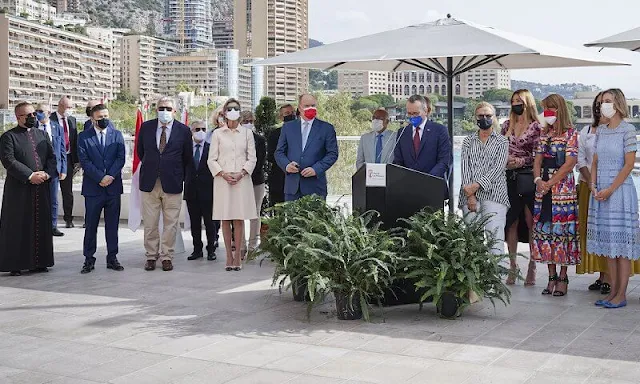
(376, 175)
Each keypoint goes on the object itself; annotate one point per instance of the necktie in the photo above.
(416, 140)
(163, 139)
(102, 140)
(379, 148)
(66, 134)
(196, 156)
(305, 134)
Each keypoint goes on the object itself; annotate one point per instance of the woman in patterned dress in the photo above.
(613, 229)
(555, 213)
(523, 131)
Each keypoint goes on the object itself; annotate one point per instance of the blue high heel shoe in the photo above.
(601, 303)
(612, 306)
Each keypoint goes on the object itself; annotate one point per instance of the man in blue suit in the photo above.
(165, 148)
(423, 145)
(307, 148)
(56, 136)
(101, 152)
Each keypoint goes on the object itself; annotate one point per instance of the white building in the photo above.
(228, 61)
(190, 20)
(251, 83)
(197, 70)
(31, 9)
(583, 102)
(114, 37)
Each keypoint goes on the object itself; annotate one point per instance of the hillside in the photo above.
(540, 91)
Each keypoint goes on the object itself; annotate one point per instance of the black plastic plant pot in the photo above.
(449, 305)
(300, 292)
(348, 309)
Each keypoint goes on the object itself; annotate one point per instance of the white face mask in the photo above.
(68, 112)
(233, 115)
(199, 136)
(607, 110)
(550, 120)
(377, 125)
(165, 117)
(250, 126)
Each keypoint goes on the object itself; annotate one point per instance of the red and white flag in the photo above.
(135, 197)
(185, 116)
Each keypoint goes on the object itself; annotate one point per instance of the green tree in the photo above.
(501, 94)
(365, 103)
(183, 87)
(363, 115)
(337, 110)
(223, 92)
(126, 97)
(123, 115)
(266, 115)
(572, 111)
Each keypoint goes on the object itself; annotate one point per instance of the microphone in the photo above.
(400, 133)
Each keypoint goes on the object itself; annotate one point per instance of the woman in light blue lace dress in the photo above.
(613, 229)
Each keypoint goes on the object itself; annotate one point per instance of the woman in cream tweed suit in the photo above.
(232, 158)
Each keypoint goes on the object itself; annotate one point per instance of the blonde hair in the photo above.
(619, 101)
(530, 110)
(494, 122)
(563, 119)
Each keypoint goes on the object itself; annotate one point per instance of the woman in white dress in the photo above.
(232, 158)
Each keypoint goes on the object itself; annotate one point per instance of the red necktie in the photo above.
(66, 134)
(416, 140)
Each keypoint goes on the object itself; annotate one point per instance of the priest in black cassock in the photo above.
(26, 238)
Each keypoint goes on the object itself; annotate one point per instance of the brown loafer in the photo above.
(167, 266)
(150, 265)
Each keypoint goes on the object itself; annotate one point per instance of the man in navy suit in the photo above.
(198, 193)
(165, 148)
(102, 154)
(307, 148)
(423, 145)
(56, 136)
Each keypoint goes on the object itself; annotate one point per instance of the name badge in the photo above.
(376, 175)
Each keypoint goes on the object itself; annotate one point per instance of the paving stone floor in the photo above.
(200, 324)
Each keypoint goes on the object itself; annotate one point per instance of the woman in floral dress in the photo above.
(613, 229)
(555, 219)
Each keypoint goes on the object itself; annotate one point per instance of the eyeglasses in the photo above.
(484, 116)
(165, 109)
(246, 122)
(229, 109)
(200, 129)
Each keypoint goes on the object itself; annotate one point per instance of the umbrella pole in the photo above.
(450, 125)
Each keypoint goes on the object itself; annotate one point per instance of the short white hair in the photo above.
(166, 99)
(199, 123)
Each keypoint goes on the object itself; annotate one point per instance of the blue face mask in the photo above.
(416, 121)
(40, 116)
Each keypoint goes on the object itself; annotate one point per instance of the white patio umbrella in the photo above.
(448, 47)
(627, 40)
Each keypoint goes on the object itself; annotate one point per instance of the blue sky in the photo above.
(566, 22)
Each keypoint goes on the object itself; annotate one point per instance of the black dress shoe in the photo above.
(115, 265)
(39, 270)
(195, 255)
(15, 273)
(57, 233)
(70, 224)
(211, 255)
(88, 267)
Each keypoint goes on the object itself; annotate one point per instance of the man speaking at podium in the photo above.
(423, 145)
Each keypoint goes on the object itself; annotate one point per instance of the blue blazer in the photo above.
(320, 153)
(57, 141)
(198, 183)
(97, 163)
(170, 165)
(434, 157)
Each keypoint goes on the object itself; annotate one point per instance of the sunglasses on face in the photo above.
(28, 114)
(229, 109)
(165, 109)
(199, 129)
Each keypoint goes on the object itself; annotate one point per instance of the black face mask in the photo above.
(103, 123)
(31, 122)
(289, 118)
(518, 109)
(88, 112)
(485, 124)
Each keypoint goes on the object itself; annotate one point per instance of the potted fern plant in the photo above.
(449, 259)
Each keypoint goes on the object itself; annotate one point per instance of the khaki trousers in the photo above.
(153, 204)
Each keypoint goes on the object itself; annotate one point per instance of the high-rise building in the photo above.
(251, 83)
(31, 9)
(114, 37)
(223, 33)
(38, 63)
(197, 70)
(228, 61)
(267, 28)
(481, 80)
(60, 5)
(189, 22)
(141, 67)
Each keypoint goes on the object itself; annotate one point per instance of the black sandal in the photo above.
(606, 289)
(597, 286)
(561, 293)
(546, 291)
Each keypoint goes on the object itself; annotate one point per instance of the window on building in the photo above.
(444, 90)
(406, 77)
(429, 89)
(414, 90)
(414, 77)
(421, 89)
(436, 89)
(429, 77)
(457, 77)
(586, 112)
(406, 90)
(457, 89)
(421, 77)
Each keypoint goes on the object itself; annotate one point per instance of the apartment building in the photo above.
(223, 33)
(189, 20)
(228, 61)
(31, 9)
(141, 67)
(481, 80)
(364, 83)
(251, 83)
(198, 70)
(267, 28)
(38, 62)
(114, 37)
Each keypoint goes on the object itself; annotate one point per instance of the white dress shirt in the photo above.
(104, 135)
(586, 150)
(47, 128)
(159, 132)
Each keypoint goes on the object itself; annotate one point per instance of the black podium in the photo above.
(396, 192)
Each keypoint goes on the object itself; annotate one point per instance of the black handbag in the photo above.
(524, 181)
